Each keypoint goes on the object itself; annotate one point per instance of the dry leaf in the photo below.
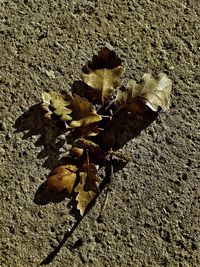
(89, 171)
(86, 144)
(83, 113)
(61, 180)
(95, 152)
(76, 152)
(154, 93)
(103, 73)
(87, 187)
(105, 59)
(55, 103)
(104, 81)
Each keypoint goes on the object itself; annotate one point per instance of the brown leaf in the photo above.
(105, 59)
(103, 73)
(83, 113)
(55, 103)
(154, 93)
(76, 152)
(89, 171)
(60, 181)
(87, 187)
(95, 152)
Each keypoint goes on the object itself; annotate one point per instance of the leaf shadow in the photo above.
(124, 127)
(137, 124)
(33, 123)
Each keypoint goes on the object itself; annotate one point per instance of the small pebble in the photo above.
(2, 151)
(54, 243)
(194, 246)
(83, 257)
(3, 126)
(8, 136)
(24, 231)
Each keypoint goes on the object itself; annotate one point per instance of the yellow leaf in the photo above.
(104, 81)
(55, 103)
(83, 198)
(154, 93)
(102, 73)
(87, 187)
(83, 113)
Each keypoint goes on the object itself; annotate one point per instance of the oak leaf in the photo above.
(83, 112)
(58, 185)
(87, 187)
(105, 59)
(55, 103)
(103, 73)
(154, 93)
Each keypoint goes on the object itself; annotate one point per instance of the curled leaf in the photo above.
(83, 113)
(59, 185)
(87, 187)
(103, 73)
(55, 103)
(154, 93)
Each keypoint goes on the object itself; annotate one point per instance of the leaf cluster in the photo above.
(91, 114)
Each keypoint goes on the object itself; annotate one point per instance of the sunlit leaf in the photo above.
(104, 81)
(55, 103)
(83, 113)
(103, 73)
(58, 185)
(87, 187)
(154, 93)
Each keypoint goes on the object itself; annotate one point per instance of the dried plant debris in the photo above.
(90, 130)
(87, 119)
(95, 152)
(87, 187)
(154, 93)
(83, 113)
(104, 81)
(55, 103)
(62, 178)
(59, 183)
(105, 59)
(103, 74)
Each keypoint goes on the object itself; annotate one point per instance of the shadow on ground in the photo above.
(116, 133)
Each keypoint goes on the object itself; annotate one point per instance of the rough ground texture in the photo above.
(152, 217)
